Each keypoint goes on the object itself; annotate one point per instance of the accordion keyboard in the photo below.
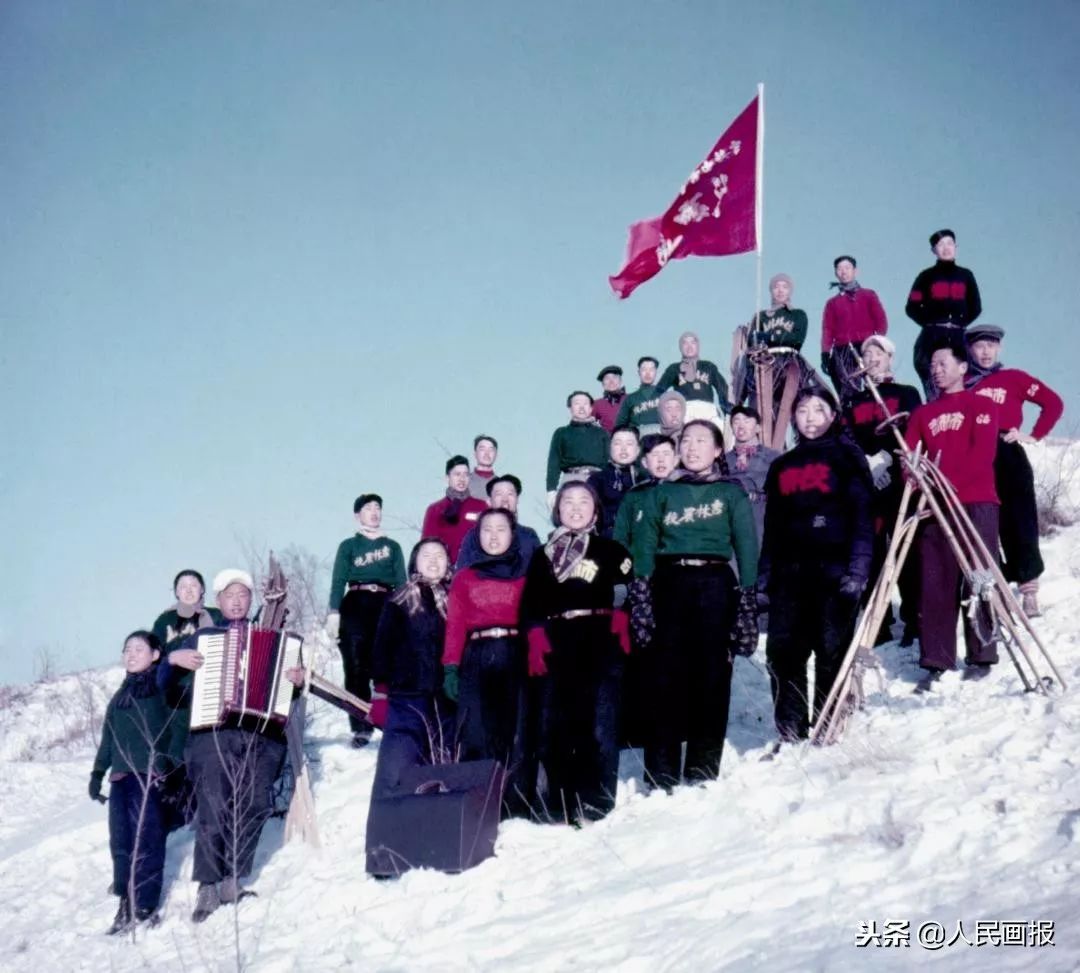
(207, 688)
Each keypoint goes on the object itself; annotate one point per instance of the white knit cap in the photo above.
(229, 576)
(882, 342)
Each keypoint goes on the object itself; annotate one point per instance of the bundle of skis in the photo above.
(983, 578)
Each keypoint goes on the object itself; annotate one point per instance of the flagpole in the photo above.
(759, 198)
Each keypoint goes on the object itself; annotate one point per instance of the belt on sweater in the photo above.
(947, 324)
(580, 613)
(358, 586)
(782, 349)
(493, 633)
(697, 562)
(582, 469)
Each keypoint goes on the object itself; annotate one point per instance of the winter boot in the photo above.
(975, 670)
(362, 737)
(910, 635)
(148, 917)
(1029, 601)
(926, 684)
(122, 920)
(206, 901)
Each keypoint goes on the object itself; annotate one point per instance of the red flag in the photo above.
(715, 213)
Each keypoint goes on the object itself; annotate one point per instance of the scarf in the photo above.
(191, 618)
(565, 549)
(502, 567)
(411, 594)
(371, 533)
(619, 473)
(849, 288)
(137, 685)
(453, 511)
(615, 397)
(744, 452)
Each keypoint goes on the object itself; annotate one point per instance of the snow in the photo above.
(961, 804)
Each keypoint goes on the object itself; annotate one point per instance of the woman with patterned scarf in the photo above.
(484, 664)
(407, 659)
(578, 638)
(691, 526)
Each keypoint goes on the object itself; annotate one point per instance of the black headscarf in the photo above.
(511, 563)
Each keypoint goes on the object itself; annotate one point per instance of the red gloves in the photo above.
(620, 628)
(379, 706)
(539, 647)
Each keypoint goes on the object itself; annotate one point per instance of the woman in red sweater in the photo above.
(484, 658)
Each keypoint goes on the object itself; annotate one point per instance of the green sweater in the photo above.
(640, 408)
(783, 327)
(576, 444)
(129, 734)
(696, 520)
(708, 384)
(631, 512)
(365, 561)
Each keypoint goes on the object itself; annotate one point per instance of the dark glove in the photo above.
(450, 682)
(761, 596)
(744, 633)
(642, 622)
(826, 357)
(852, 586)
(95, 787)
(620, 628)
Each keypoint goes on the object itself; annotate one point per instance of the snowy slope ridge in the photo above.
(961, 805)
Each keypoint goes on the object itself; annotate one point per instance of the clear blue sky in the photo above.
(257, 258)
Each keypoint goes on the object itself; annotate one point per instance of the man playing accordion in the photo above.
(232, 759)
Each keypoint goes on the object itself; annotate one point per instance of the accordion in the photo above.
(243, 674)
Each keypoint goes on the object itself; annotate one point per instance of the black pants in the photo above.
(419, 731)
(1019, 524)
(491, 716)
(886, 504)
(841, 364)
(578, 732)
(689, 668)
(941, 592)
(360, 611)
(807, 616)
(233, 772)
(136, 840)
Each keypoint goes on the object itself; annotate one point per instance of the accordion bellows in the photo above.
(243, 674)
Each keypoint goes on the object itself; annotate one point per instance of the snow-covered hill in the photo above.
(960, 806)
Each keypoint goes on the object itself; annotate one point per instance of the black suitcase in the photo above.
(443, 816)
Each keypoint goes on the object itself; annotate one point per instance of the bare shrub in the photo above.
(1054, 484)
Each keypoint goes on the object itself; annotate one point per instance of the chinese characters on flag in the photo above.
(714, 214)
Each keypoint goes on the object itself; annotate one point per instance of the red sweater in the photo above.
(963, 426)
(1010, 388)
(852, 316)
(452, 534)
(605, 412)
(475, 603)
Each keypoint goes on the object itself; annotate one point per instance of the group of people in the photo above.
(678, 533)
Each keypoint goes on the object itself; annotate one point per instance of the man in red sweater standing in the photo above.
(849, 318)
(606, 408)
(961, 429)
(451, 518)
(1010, 388)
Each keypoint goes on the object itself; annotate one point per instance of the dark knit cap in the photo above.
(479, 439)
(844, 256)
(746, 410)
(504, 478)
(645, 358)
(364, 499)
(570, 397)
(935, 237)
(984, 332)
(609, 370)
(188, 572)
(455, 461)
